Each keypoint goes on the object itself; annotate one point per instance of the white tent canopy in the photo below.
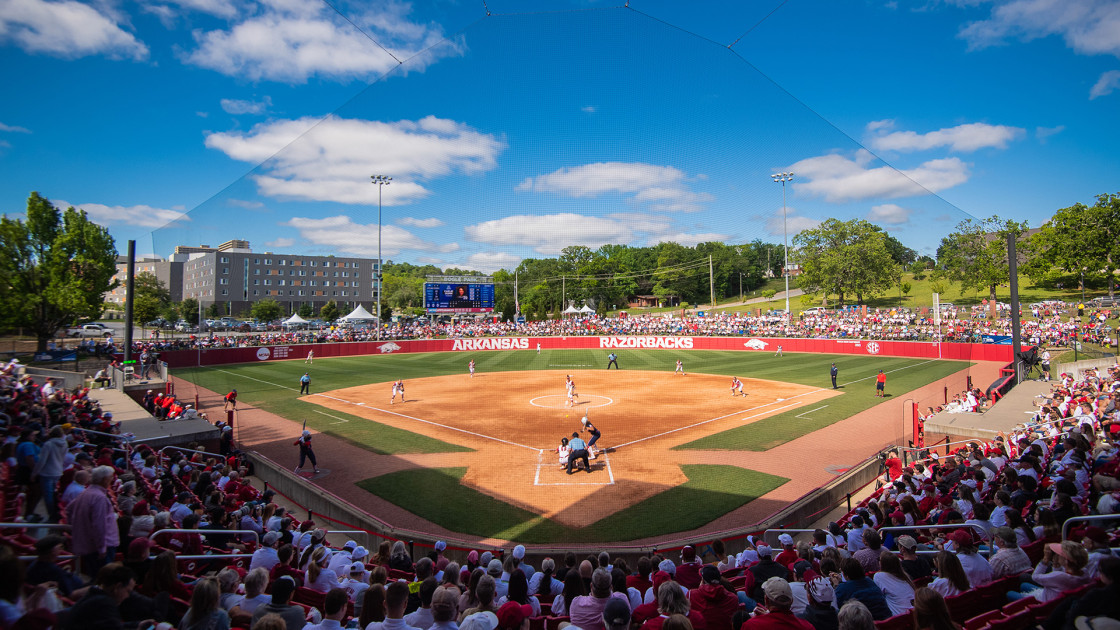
(359, 314)
(295, 319)
(571, 310)
(586, 309)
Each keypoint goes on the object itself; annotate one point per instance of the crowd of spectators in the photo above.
(956, 325)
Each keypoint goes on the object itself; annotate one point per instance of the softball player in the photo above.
(680, 368)
(470, 368)
(736, 387)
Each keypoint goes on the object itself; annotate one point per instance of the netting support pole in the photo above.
(1013, 271)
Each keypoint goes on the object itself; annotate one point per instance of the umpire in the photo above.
(612, 359)
(579, 452)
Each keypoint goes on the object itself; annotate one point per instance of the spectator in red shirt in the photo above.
(640, 580)
(788, 555)
(776, 613)
(713, 600)
(688, 573)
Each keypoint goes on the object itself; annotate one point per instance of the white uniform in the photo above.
(563, 451)
(396, 390)
(470, 366)
(310, 357)
(680, 367)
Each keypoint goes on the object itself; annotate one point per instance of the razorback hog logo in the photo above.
(386, 348)
(670, 343)
(756, 344)
(491, 343)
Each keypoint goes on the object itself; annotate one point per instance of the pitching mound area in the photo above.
(514, 422)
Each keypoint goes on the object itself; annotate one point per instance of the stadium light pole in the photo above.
(381, 181)
(782, 178)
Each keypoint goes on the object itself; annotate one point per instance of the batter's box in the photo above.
(549, 472)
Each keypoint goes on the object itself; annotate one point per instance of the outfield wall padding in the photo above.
(619, 345)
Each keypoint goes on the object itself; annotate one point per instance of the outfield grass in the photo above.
(710, 492)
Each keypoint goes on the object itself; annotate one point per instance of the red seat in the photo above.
(313, 598)
(553, 623)
(982, 620)
(1018, 605)
(905, 621)
(1042, 610)
(537, 623)
(1019, 621)
(966, 605)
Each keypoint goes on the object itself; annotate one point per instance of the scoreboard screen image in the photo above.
(457, 297)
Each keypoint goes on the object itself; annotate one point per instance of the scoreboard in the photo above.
(458, 297)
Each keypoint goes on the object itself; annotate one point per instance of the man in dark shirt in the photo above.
(99, 609)
(860, 587)
(764, 570)
(915, 566)
(45, 567)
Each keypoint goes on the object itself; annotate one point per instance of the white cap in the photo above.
(519, 552)
(306, 433)
(785, 539)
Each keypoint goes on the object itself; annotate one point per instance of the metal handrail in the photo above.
(189, 450)
(910, 528)
(64, 526)
(235, 532)
(1084, 519)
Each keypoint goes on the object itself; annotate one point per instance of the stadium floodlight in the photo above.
(782, 178)
(381, 181)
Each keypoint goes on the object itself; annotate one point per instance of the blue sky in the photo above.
(514, 128)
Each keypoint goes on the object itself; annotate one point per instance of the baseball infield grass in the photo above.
(710, 492)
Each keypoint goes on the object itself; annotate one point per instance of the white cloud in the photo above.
(420, 223)
(293, 41)
(690, 240)
(281, 243)
(1042, 133)
(548, 234)
(220, 8)
(1090, 27)
(588, 109)
(343, 234)
(248, 205)
(13, 129)
(663, 188)
(968, 137)
(791, 226)
(840, 179)
(238, 107)
(489, 262)
(332, 159)
(135, 216)
(890, 214)
(65, 29)
(1106, 84)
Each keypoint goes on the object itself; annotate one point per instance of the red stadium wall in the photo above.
(916, 349)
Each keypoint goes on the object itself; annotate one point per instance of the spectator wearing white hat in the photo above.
(355, 581)
(519, 555)
(788, 555)
(341, 559)
(765, 569)
(265, 556)
(440, 559)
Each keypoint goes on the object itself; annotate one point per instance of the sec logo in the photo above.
(872, 347)
(263, 354)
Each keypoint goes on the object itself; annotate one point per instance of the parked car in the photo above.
(90, 330)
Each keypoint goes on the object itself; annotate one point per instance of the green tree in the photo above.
(845, 258)
(1080, 240)
(305, 310)
(266, 310)
(150, 298)
(54, 269)
(975, 255)
(329, 311)
(188, 311)
(214, 310)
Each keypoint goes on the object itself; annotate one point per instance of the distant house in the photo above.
(644, 301)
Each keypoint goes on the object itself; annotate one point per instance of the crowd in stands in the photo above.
(1050, 329)
(979, 537)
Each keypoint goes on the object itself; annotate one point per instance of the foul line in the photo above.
(340, 420)
(802, 415)
(364, 406)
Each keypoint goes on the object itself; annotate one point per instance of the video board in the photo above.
(458, 297)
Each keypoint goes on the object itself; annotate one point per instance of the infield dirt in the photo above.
(516, 419)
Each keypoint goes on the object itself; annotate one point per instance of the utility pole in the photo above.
(711, 281)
